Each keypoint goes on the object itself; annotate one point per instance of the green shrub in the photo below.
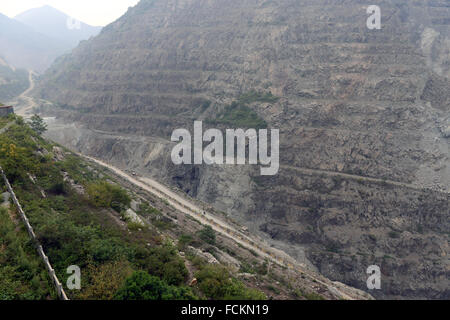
(163, 262)
(104, 281)
(215, 283)
(146, 210)
(105, 195)
(240, 116)
(184, 241)
(208, 235)
(142, 286)
(246, 268)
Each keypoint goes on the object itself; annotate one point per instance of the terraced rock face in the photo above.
(357, 102)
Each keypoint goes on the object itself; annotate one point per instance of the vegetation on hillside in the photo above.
(255, 96)
(77, 229)
(239, 115)
(216, 282)
(22, 274)
(106, 195)
(208, 235)
(143, 286)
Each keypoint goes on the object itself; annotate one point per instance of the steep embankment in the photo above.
(82, 216)
(359, 102)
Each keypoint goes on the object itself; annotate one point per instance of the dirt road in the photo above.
(222, 227)
(356, 177)
(25, 108)
(184, 206)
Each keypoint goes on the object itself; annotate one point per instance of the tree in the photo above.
(38, 124)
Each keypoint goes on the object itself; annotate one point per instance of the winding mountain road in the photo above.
(25, 109)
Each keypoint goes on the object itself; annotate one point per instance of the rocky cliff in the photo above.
(363, 117)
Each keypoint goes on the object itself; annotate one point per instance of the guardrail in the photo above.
(58, 286)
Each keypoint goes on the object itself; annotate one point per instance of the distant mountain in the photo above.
(58, 25)
(23, 47)
(35, 38)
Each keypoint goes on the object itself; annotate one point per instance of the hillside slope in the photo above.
(364, 103)
(124, 240)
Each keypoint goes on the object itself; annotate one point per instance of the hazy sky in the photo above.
(93, 12)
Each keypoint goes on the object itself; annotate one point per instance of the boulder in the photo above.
(133, 217)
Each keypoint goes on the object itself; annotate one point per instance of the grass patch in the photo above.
(238, 114)
(255, 96)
